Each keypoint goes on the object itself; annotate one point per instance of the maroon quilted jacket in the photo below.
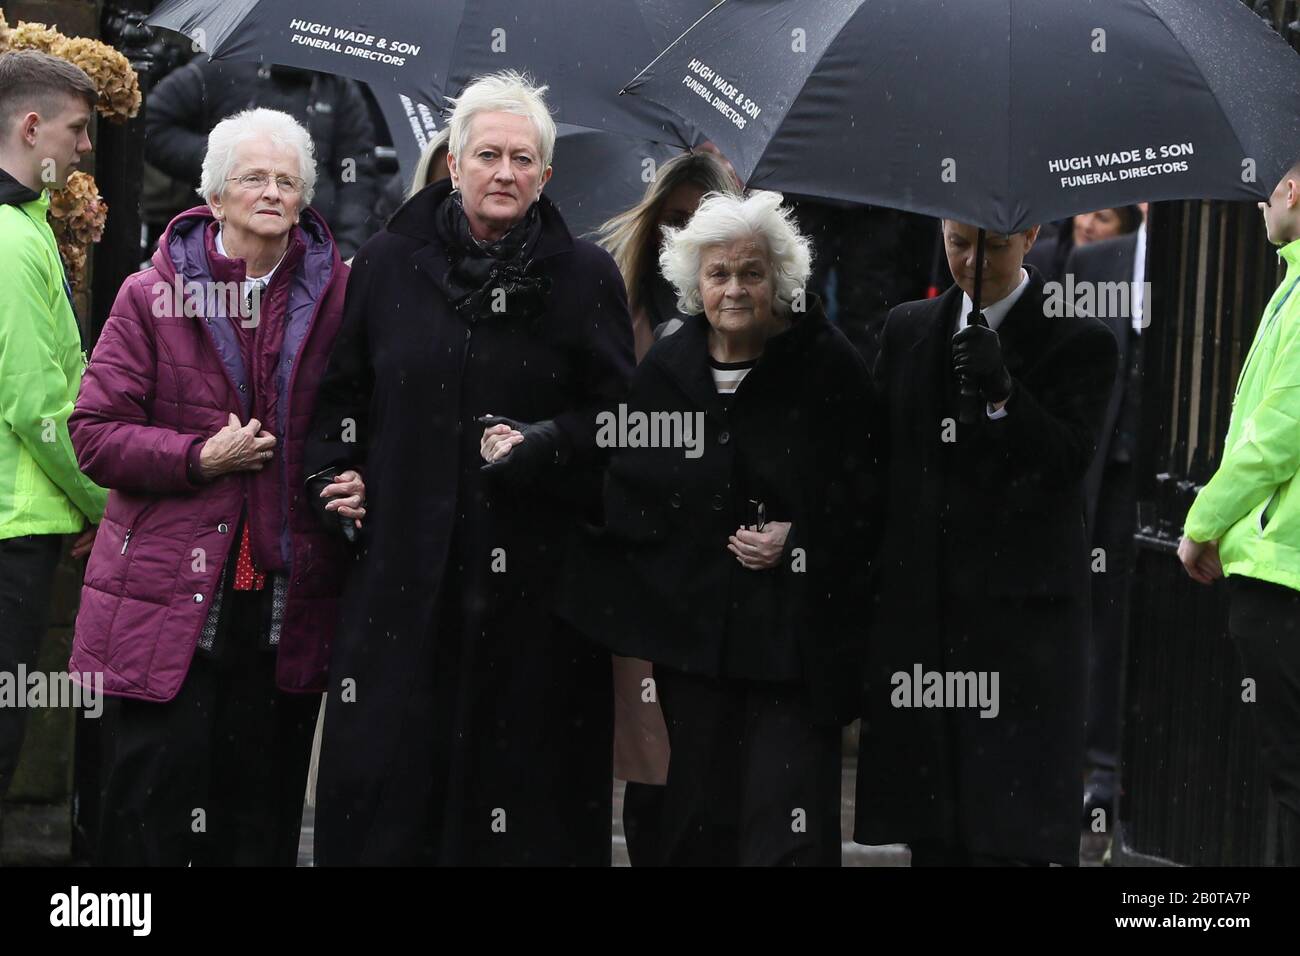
(160, 382)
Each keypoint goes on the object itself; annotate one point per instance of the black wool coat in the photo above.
(452, 683)
(1110, 260)
(984, 568)
(657, 581)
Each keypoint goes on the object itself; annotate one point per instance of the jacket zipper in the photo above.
(126, 539)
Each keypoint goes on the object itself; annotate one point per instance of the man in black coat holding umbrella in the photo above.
(973, 733)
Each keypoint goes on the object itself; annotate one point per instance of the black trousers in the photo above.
(752, 780)
(27, 566)
(1115, 523)
(217, 775)
(643, 808)
(1264, 620)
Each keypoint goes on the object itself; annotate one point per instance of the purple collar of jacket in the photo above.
(188, 249)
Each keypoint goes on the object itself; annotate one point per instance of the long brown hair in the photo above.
(630, 236)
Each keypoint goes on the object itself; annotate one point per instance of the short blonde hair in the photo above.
(437, 146)
(227, 136)
(724, 218)
(506, 92)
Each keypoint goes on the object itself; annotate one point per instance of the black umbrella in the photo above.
(429, 49)
(999, 113)
(599, 174)
(415, 53)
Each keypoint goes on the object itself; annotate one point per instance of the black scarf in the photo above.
(491, 279)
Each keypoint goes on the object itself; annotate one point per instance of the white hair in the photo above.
(506, 92)
(722, 219)
(227, 136)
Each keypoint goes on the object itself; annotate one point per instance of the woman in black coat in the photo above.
(465, 724)
(635, 238)
(737, 535)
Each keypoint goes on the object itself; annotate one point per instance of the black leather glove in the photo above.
(977, 355)
(544, 446)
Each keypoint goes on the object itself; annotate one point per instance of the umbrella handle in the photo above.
(969, 404)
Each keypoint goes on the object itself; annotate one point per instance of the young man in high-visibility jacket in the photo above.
(1245, 523)
(45, 108)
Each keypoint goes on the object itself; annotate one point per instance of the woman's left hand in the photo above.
(347, 496)
(497, 442)
(759, 550)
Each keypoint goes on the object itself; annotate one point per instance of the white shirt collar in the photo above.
(249, 281)
(996, 312)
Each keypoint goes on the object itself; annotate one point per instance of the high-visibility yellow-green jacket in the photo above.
(41, 362)
(1252, 504)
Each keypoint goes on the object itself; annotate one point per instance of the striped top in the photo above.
(727, 376)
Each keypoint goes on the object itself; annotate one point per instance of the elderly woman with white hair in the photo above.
(466, 724)
(739, 527)
(211, 592)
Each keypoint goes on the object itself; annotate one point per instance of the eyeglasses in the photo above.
(251, 181)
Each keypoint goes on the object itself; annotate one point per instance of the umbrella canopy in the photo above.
(429, 49)
(599, 175)
(999, 113)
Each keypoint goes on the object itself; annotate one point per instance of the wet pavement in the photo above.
(1092, 848)
(852, 853)
(39, 835)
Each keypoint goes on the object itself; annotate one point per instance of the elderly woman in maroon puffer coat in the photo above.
(209, 599)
